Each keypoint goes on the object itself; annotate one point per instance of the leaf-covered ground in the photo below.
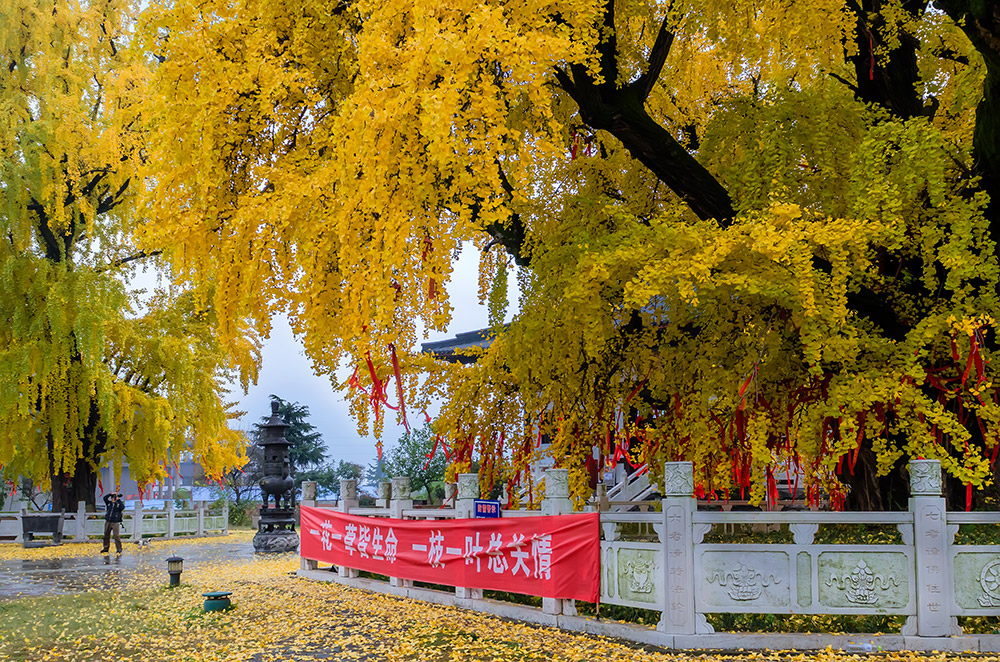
(280, 617)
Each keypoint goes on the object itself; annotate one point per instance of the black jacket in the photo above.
(115, 510)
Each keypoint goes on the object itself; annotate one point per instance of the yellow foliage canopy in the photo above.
(745, 233)
(90, 370)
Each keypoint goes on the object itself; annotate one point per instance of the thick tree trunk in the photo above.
(890, 82)
(69, 490)
(981, 23)
(621, 111)
(866, 490)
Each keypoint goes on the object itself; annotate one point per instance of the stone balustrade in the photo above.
(138, 523)
(661, 561)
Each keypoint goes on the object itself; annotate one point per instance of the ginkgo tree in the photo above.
(92, 371)
(756, 235)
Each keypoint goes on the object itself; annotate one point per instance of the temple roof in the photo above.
(451, 348)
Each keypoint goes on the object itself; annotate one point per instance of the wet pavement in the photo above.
(87, 569)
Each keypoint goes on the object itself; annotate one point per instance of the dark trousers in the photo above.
(109, 529)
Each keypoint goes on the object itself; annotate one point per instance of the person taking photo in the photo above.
(113, 521)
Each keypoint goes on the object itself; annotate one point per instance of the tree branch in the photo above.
(657, 58)
(981, 23)
(621, 112)
(141, 255)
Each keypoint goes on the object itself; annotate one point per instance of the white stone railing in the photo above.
(168, 522)
(659, 561)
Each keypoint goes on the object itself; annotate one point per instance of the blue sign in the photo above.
(486, 508)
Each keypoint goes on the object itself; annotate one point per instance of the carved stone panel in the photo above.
(871, 581)
(977, 580)
(803, 579)
(744, 580)
(468, 486)
(678, 479)
(557, 483)
(639, 575)
(608, 572)
(925, 478)
(401, 487)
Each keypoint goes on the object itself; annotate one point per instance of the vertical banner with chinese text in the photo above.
(554, 556)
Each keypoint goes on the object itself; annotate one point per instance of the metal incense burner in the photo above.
(276, 530)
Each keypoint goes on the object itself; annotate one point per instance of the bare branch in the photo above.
(657, 58)
(141, 255)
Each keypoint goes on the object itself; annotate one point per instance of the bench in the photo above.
(42, 524)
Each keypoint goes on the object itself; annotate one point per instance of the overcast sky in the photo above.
(286, 372)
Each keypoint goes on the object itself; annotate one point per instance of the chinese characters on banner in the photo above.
(551, 556)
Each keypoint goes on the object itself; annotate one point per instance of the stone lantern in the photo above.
(276, 530)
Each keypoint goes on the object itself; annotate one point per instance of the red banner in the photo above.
(551, 556)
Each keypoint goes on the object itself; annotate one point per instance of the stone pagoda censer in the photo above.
(276, 530)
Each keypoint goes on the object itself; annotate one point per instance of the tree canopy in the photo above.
(417, 457)
(307, 449)
(91, 370)
(744, 232)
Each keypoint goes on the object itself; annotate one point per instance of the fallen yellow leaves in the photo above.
(15, 552)
(280, 617)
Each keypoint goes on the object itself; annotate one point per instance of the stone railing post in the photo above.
(930, 535)
(400, 497)
(309, 493)
(557, 502)
(19, 536)
(81, 522)
(468, 492)
(200, 509)
(137, 521)
(384, 494)
(450, 494)
(171, 522)
(679, 505)
(601, 497)
(399, 500)
(348, 499)
(308, 500)
(225, 517)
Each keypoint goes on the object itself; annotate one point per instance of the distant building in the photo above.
(185, 474)
(451, 349)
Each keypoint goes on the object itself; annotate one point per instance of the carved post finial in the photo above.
(925, 478)
(468, 486)
(678, 479)
(557, 483)
(401, 487)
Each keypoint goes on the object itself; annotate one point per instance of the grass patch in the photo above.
(78, 620)
(828, 534)
(978, 534)
(515, 598)
(637, 531)
(980, 624)
(822, 623)
(619, 613)
(858, 534)
(456, 644)
(749, 534)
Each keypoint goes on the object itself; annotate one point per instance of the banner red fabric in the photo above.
(551, 556)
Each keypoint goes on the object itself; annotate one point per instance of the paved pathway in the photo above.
(51, 576)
